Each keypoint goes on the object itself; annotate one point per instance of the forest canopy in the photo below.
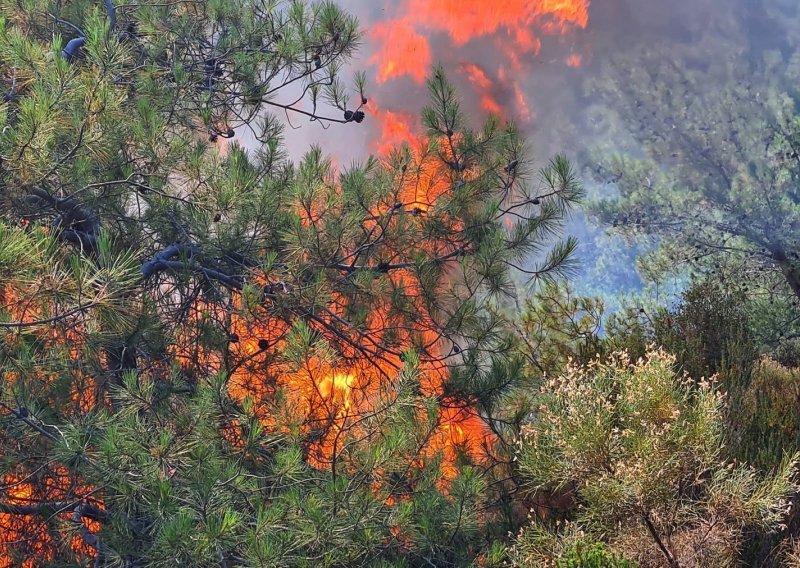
(214, 354)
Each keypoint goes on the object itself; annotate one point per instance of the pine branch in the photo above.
(51, 320)
(48, 508)
(23, 416)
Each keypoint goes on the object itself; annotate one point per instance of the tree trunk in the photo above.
(654, 533)
(790, 269)
(791, 272)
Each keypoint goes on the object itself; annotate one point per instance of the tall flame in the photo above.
(484, 86)
(417, 33)
(402, 50)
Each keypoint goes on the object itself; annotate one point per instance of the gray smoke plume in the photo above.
(555, 92)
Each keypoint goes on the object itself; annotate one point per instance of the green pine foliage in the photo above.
(214, 356)
(595, 555)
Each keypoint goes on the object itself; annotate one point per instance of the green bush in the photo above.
(770, 415)
(594, 555)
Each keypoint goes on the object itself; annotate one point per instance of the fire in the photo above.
(14, 528)
(338, 386)
(522, 104)
(484, 86)
(334, 395)
(328, 397)
(30, 533)
(330, 392)
(21, 305)
(402, 50)
(395, 128)
(574, 60)
(419, 32)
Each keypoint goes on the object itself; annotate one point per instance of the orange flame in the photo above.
(395, 128)
(28, 535)
(484, 86)
(574, 60)
(328, 399)
(404, 51)
(403, 48)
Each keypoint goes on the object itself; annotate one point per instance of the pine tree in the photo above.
(213, 356)
(705, 151)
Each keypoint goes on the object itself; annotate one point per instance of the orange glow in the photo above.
(395, 129)
(14, 528)
(329, 397)
(522, 104)
(29, 535)
(27, 305)
(402, 47)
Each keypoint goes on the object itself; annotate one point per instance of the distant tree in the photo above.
(640, 451)
(709, 154)
(708, 330)
(212, 356)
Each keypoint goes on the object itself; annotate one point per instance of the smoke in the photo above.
(527, 59)
(530, 61)
(492, 53)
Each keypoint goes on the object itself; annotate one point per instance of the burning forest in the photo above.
(221, 346)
